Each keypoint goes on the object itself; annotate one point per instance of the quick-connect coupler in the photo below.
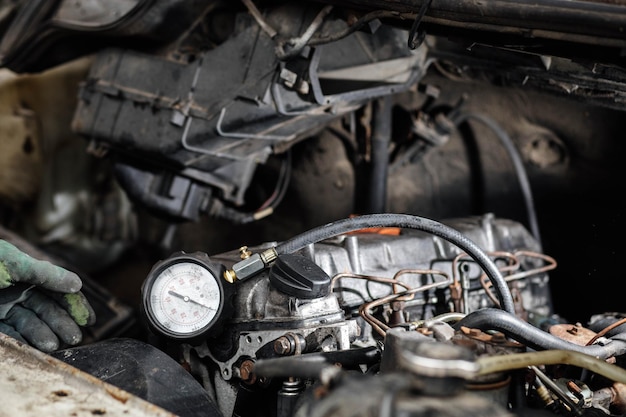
(250, 266)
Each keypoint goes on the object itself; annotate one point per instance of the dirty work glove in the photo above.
(40, 303)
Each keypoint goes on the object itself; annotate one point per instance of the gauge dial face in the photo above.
(184, 299)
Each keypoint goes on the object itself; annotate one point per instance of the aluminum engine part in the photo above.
(383, 255)
(264, 315)
(332, 337)
(230, 375)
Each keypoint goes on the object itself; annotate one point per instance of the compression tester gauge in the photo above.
(183, 297)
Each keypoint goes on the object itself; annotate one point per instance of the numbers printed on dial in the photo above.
(185, 298)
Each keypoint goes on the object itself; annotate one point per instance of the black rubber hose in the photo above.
(350, 358)
(381, 137)
(459, 117)
(296, 366)
(310, 365)
(267, 208)
(529, 335)
(410, 222)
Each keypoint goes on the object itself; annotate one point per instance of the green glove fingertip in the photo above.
(81, 313)
(5, 277)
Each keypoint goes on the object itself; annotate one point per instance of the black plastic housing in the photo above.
(299, 276)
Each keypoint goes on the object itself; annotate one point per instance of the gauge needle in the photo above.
(188, 299)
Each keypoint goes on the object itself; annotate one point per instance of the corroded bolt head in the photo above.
(246, 371)
(282, 346)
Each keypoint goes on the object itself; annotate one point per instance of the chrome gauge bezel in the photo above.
(154, 296)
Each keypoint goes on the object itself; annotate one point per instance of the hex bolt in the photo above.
(246, 371)
(282, 346)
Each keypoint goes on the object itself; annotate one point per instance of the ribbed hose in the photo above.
(410, 222)
(529, 335)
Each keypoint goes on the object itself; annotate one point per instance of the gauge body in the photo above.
(183, 297)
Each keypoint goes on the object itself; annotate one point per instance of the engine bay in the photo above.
(323, 208)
